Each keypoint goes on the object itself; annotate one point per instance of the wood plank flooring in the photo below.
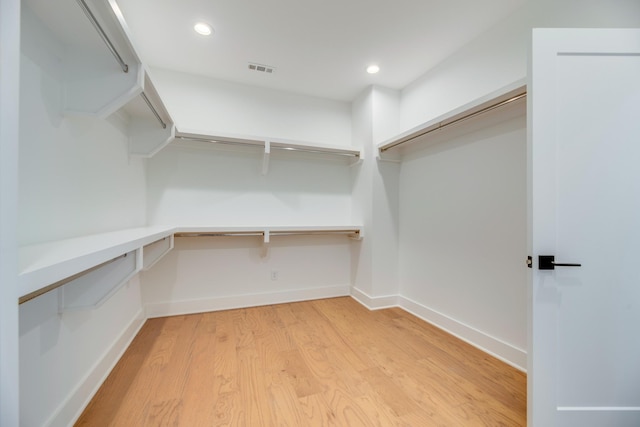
(328, 362)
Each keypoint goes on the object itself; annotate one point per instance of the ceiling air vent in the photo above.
(262, 68)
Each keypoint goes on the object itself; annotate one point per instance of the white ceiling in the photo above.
(319, 48)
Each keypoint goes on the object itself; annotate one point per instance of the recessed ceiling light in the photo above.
(202, 28)
(372, 69)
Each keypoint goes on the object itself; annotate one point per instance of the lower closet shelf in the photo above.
(47, 266)
(89, 269)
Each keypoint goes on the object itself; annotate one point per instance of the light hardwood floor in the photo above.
(328, 362)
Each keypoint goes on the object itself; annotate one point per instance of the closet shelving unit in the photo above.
(463, 119)
(91, 268)
(101, 71)
(267, 145)
(104, 257)
(103, 76)
(100, 75)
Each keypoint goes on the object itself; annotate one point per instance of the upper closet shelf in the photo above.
(101, 72)
(511, 95)
(269, 144)
(45, 266)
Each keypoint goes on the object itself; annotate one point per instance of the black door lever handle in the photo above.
(547, 262)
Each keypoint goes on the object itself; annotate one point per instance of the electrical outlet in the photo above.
(274, 274)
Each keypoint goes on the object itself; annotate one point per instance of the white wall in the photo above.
(375, 116)
(65, 357)
(215, 187)
(9, 77)
(385, 203)
(362, 193)
(463, 203)
(201, 184)
(463, 236)
(75, 178)
(215, 273)
(493, 60)
(499, 56)
(448, 216)
(210, 105)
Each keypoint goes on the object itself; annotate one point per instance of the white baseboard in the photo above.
(174, 308)
(374, 303)
(72, 407)
(491, 345)
(506, 352)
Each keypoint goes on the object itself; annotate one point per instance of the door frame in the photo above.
(9, 111)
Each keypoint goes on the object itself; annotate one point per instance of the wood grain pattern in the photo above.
(317, 363)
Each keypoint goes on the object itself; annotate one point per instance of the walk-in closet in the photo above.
(134, 194)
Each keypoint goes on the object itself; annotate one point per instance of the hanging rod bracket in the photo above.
(266, 242)
(265, 158)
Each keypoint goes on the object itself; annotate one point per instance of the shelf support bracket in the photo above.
(265, 244)
(265, 160)
(384, 156)
(358, 160)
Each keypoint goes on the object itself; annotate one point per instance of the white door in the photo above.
(584, 159)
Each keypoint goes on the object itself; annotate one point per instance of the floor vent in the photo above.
(262, 68)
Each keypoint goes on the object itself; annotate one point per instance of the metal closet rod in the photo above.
(260, 144)
(66, 280)
(153, 110)
(220, 234)
(313, 233)
(458, 120)
(103, 35)
(311, 150)
(216, 141)
(261, 233)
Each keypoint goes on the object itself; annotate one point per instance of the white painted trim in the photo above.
(374, 303)
(175, 308)
(9, 140)
(497, 348)
(71, 408)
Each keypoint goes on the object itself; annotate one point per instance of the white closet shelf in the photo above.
(512, 94)
(45, 265)
(84, 261)
(268, 144)
(100, 70)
